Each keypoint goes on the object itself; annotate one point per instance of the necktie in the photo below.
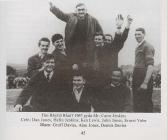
(47, 76)
(77, 96)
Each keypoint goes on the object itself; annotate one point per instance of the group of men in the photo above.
(82, 74)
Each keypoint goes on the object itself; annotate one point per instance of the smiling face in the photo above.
(81, 11)
(44, 46)
(78, 82)
(49, 65)
(59, 45)
(98, 40)
(139, 36)
(116, 78)
(108, 39)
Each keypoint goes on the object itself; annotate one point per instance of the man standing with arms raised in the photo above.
(79, 31)
(112, 47)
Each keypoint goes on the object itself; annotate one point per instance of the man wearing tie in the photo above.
(45, 89)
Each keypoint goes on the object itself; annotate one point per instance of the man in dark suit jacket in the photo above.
(61, 58)
(109, 58)
(116, 96)
(106, 54)
(82, 98)
(35, 61)
(45, 89)
(79, 31)
(59, 52)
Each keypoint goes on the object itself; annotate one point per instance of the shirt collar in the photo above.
(63, 52)
(78, 94)
(40, 55)
(75, 89)
(140, 43)
(46, 73)
(112, 85)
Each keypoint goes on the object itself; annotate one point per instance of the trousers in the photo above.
(142, 99)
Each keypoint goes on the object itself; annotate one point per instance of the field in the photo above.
(12, 95)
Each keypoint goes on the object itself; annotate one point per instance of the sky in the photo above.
(23, 23)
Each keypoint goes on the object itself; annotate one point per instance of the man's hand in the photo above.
(51, 5)
(18, 108)
(129, 21)
(143, 86)
(41, 69)
(75, 67)
(119, 21)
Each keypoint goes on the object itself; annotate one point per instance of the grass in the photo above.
(12, 95)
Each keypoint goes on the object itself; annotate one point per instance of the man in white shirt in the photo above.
(82, 96)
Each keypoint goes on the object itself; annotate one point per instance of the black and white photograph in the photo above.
(83, 69)
(83, 56)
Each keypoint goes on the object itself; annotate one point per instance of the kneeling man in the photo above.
(117, 97)
(45, 89)
(82, 96)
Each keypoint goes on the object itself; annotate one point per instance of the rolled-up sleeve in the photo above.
(149, 55)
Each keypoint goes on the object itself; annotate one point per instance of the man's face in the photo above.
(81, 11)
(44, 46)
(59, 45)
(78, 82)
(108, 40)
(116, 78)
(98, 40)
(49, 65)
(139, 36)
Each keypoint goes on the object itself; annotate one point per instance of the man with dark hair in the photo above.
(142, 84)
(35, 61)
(45, 91)
(61, 58)
(98, 50)
(112, 47)
(108, 39)
(82, 97)
(79, 31)
(141, 30)
(117, 96)
(106, 54)
(94, 73)
(59, 51)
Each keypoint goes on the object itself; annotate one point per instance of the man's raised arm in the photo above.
(120, 37)
(118, 34)
(58, 13)
(126, 30)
